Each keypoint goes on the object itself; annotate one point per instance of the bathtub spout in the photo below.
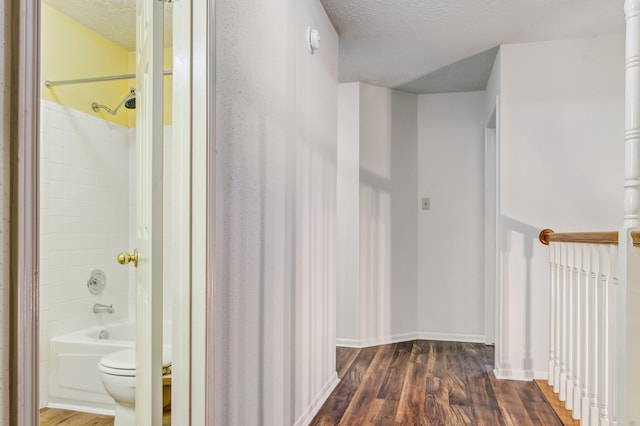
(99, 308)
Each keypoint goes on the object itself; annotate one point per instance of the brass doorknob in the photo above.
(125, 258)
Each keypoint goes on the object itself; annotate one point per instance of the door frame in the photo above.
(24, 126)
(24, 51)
(493, 277)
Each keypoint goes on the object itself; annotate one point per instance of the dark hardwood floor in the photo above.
(411, 383)
(429, 383)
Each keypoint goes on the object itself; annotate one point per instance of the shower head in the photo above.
(129, 102)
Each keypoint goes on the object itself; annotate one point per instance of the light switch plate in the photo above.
(426, 203)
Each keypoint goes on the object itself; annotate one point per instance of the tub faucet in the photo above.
(99, 308)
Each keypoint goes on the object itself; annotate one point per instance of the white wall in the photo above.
(403, 187)
(450, 234)
(276, 212)
(388, 213)
(348, 218)
(84, 212)
(493, 87)
(561, 167)
(377, 208)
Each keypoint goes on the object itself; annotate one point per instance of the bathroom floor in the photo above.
(54, 417)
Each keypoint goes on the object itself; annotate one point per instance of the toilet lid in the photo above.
(123, 363)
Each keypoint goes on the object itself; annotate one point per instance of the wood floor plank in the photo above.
(411, 408)
(364, 398)
(358, 369)
(354, 368)
(387, 413)
(533, 400)
(436, 409)
(332, 411)
(391, 388)
(485, 405)
(429, 383)
(546, 392)
(513, 410)
(344, 359)
(55, 417)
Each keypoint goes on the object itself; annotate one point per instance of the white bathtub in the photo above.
(74, 382)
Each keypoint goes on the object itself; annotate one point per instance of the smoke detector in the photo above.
(313, 40)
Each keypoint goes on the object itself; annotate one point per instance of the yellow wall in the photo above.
(71, 50)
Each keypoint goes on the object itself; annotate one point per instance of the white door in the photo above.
(149, 101)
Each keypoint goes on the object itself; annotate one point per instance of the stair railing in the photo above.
(585, 327)
(594, 334)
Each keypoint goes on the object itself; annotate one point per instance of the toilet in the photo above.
(118, 374)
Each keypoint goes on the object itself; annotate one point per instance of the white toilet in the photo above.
(118, 374)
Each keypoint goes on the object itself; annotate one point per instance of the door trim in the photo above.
(194, 253)
(24, 229)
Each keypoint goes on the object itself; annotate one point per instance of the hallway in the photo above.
(429, 383)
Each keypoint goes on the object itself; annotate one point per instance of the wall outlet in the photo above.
(426, 203)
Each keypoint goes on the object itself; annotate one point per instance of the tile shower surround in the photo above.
(87, 210)
(84, 222)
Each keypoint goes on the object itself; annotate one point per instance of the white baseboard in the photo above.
(405, 337)
(376, 341)
(82, 408)
(317, 402)
(523, 375)
(451, 337)
(348, 343)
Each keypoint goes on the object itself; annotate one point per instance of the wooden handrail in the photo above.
(547, 236)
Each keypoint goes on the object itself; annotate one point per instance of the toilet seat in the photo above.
(123, 363)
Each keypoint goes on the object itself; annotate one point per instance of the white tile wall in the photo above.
(85, 210)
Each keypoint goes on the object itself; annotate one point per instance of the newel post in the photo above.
(626, 407)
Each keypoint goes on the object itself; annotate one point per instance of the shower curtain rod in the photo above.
(50, 83)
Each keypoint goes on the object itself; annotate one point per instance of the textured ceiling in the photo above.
(467, 75)
(421, 46)
(113, 19)
(434, 46)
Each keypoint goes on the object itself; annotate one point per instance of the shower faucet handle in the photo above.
(100, 308)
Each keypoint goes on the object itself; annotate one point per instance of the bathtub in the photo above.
(74, 381)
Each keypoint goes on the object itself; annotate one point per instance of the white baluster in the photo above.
(577, 336)
(557, 322)
(585, 341)
(569, 312)
(564, 278)
(552, 311)
(593, 327)
(612, 364)
(603, 334)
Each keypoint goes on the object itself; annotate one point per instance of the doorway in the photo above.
(25, 176)
(98, 180)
